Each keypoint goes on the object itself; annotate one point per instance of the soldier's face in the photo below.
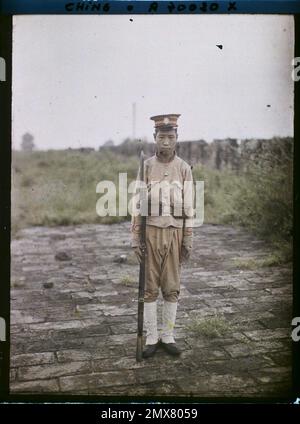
(166, 141)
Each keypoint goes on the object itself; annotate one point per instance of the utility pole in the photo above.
(133, 121)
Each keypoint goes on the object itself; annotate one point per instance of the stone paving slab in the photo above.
(74, 310)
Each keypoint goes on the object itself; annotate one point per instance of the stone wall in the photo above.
(221, 154)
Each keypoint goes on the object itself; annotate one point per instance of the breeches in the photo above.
(163, 262)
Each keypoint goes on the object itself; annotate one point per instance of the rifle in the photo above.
(142, 272)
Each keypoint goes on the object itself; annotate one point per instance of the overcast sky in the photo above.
(75, 78)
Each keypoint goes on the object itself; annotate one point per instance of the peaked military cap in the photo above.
(165, 121)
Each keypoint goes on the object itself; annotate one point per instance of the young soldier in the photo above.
(169, 234)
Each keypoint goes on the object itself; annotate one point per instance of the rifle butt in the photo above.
(139, 348)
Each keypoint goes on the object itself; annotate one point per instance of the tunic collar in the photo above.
(157, 158)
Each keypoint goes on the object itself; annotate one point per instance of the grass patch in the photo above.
(259, 198)
(51, 188)
(128, 280)
(276, 258)
(132, 259)
(77, 311)
(246, 263)
(215, 326)
(17, 284)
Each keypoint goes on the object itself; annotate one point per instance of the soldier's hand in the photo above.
(138, 252)
(185, 254)
(187, 244)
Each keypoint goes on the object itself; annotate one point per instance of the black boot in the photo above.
(171, 348)
(150, 350)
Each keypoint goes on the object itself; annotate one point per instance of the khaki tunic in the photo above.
(164, 234)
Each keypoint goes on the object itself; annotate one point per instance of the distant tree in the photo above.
(127, 141)
(27, 144)
(109, 143)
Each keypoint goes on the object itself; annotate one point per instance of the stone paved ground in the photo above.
(74, 320)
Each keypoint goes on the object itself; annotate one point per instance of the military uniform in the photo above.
(166, 231)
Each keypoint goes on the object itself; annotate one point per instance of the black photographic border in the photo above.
(5, 191)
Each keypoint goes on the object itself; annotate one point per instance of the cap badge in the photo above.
(167, 121)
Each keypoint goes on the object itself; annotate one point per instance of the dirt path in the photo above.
(74, 317)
